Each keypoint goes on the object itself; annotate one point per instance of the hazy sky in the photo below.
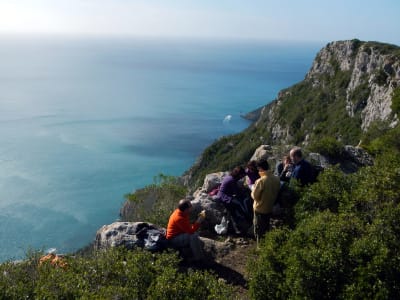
(311, 20)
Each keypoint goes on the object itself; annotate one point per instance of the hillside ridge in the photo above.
(348, 89)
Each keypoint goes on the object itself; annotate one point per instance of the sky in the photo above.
(292, 20)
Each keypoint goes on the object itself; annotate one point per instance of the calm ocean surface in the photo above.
(84, 122)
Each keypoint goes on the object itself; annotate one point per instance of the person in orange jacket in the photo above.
(181, 233)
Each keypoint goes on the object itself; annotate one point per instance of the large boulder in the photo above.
(351, 159)
(358, 155)
(212, 181)
(262, 152)
(127, 234)
(214, 210)
(133, 234)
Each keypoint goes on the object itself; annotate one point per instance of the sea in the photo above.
(84, 121)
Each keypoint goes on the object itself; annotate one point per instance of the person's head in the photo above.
(286, 159)
(296, 155)
(238, 173)
(252, 166)
(262, 165)
(185, 205)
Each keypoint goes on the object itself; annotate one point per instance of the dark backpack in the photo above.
(155, 241)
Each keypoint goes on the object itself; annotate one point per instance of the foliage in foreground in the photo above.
(163, 196)
(113, 274)
(345, 244)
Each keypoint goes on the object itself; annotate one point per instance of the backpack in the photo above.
(155, 240)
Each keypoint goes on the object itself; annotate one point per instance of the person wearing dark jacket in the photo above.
(235, 197)
(284, 169)
(303, 171)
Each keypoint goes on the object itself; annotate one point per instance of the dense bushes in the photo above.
(115, 274)
(346, 241)
(396, 101)
(154, 203)
(328, 146)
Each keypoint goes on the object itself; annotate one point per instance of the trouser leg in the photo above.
(196, 245)
(261, 225)
(189, 240)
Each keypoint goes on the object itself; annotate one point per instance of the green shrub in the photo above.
(380, 77)
(154, 203)
(377, 267)
(396, 101)
(328, 146)
(375, 130)
(310, 262)
(266, 272)
(317, 256)
(198, 285)
(18, 279)
(376, 186)
(389, 141)
(123, 274)
(331, 191)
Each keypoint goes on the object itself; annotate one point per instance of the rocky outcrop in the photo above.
(127, 234)
(373, 70)
(351, 159)
(135, 234)
(370, 74)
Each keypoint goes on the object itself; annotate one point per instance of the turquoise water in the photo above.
(84, 122)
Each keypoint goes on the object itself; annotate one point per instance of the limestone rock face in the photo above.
(358, 155)
(352, 159)
(262, 152)
(128, 234)
(373, 73)
(213, 180)
(214, 210)
(370, 69)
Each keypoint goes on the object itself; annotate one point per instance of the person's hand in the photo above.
(201, 216)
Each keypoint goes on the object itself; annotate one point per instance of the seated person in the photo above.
(284, 169)
(182, 234)
(303, 171)
(236, 198)
(251, 174)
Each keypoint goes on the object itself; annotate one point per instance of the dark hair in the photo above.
(238, 172)
(263, 164)
(184, 204)
(252, 165)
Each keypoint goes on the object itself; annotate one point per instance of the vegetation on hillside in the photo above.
(113, 274)
(311, 112)
(165, 192)
(341, 239)
(345, 243)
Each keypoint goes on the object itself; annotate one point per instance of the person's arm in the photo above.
(223, 192)
(185, 226)
(257, 191)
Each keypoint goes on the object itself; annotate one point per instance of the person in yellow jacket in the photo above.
(264, 194)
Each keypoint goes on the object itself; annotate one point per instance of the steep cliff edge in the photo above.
(349, 88)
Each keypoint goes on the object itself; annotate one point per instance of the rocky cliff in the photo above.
(354, 77)
(371, 65)
(349, 89)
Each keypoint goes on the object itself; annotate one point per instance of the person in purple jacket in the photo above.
(235, 197)
(252, 174)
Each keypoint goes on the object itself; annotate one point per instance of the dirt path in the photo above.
(232, 267)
